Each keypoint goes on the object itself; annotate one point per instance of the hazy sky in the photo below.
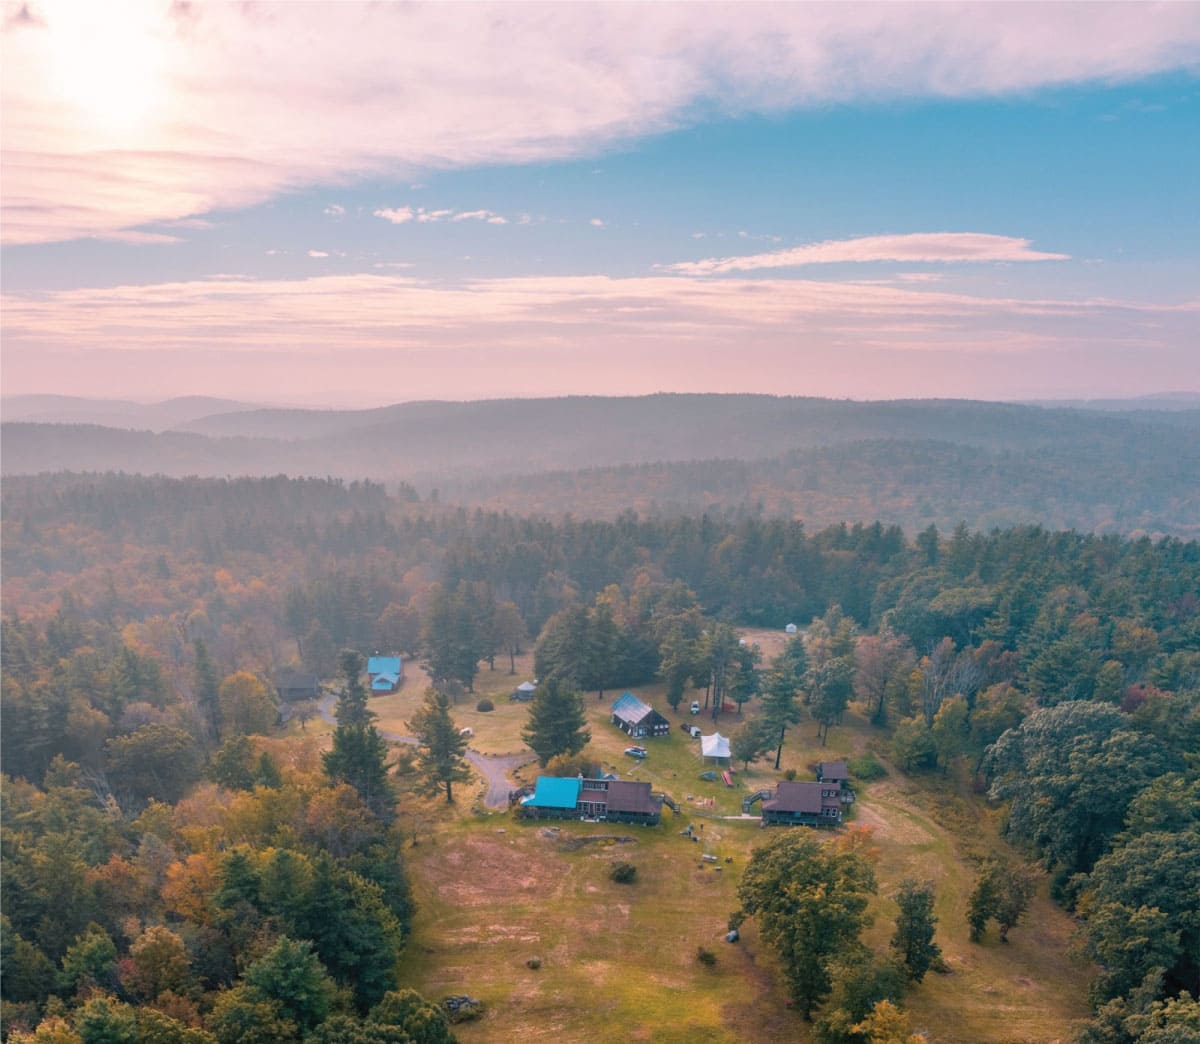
(360, 204)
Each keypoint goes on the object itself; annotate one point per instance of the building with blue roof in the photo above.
(385, 673)
(614, 800)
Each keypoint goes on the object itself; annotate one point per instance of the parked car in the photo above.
(636, 752)
(693, 732)
(695, 706)
(686, 727)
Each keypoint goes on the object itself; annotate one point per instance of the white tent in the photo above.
(714, 746)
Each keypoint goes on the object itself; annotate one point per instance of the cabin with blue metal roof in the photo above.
(613, 800)
(385, 673)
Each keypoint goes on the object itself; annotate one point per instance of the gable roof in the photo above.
(714, 746)
(385, 681)
(553, 792)
(796, 797)
(833, 770)
(384, 665)
(629, 708)
(627, 795)
(526, 687)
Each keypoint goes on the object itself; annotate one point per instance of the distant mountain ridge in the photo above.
(589, 455)
(116, 413)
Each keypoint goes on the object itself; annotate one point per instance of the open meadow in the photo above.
(619, 962)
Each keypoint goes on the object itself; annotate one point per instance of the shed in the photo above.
(790, 629)
(714, 746)
(524, 691)
(638, 719)
(296, 685)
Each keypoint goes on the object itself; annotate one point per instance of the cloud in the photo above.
(424, 215)
(119, 117)
(945, 247)
(318, 253)
(588, 334)
(334, 210)
(396, 215)
(596, 223)
(480, 215)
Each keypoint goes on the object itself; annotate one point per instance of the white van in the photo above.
(695, 706)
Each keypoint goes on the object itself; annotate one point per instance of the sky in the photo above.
(352, 204)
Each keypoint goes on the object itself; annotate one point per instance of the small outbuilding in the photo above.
(523, 693)
(790, 629)
(636, 718)
(294, 686)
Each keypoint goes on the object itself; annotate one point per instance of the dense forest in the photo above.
(904, 463)
(175, 869)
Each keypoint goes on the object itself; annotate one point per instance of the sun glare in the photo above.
(110, 70)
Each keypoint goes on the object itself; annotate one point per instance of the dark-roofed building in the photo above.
(614, 800)
(294, 686)
(631, 715)
(803, 804)
(836, 772)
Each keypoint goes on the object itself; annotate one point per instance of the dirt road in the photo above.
(495, 769)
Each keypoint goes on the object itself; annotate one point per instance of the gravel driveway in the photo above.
(494, 768)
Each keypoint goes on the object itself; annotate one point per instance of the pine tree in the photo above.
(556, 722)
(779, 705)
(440, 759)
(359, 753)
(913, 941)
(206, 686)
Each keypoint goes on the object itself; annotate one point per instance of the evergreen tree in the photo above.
(206, 686)
(913, 941)
(779, 706)
(359, 753)
(556, 722)
(440, 759)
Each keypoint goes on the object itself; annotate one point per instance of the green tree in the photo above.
(406, 1010)
(830, 685)
(243, 1016)
(1142, 913)
(556, 721)
(779, 706)
(751, 741)
(858, 986)
(105, 1020)
(810, 900)
(89, 963)
(359, 754)
(949, 730)
(1002, 892)
(440, 759)
(915, 924)
(290, 975)
(230, 765)
(247, 706)
(676, 663)
(206, 686)
(1069, 773)
(157, 761)
(511, 632)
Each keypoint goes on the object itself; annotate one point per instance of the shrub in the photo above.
(534, 963)
(623, 873)
(866, 769)
(706, 957)
(485, 705)
(790, 775)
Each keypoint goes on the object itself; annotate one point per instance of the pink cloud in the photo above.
(949, 247)
(116, 117)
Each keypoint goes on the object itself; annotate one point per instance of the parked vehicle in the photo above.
(695, 706)
(636, 752)
(693, 732)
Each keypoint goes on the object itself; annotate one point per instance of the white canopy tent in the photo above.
(714, 746)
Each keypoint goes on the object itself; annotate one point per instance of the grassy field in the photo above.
(619, 961)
